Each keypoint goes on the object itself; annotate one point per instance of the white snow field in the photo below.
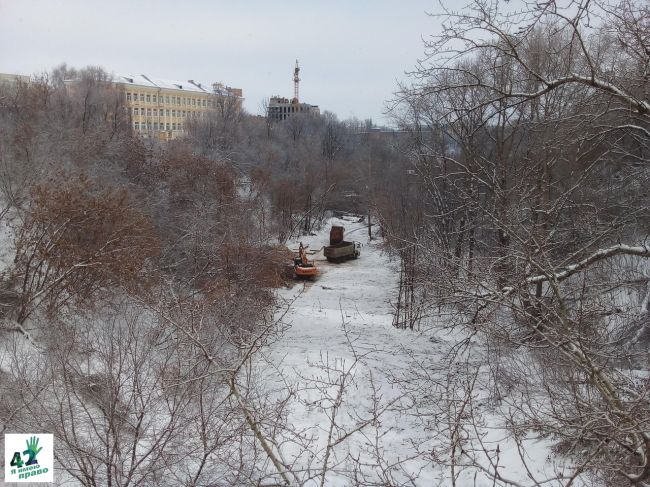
(341, 358)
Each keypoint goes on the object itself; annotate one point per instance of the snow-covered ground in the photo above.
(383, 399)
(354, 378)
(7, 248)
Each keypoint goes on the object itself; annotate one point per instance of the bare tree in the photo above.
(546, 120)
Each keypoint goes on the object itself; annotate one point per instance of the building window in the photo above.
(155, 125)
(167, 99)
(148, 98)
(148, 112)
(167, 125)
(167, 112)
(136, 125)
(142, 97)
(135, 111)
(155, 112)
(180, 126)
(155, 99)
(173, 126)
(128, 97)
(178, 100)
(173, 113)
(204, 104)
(184, 113)
(194, 101)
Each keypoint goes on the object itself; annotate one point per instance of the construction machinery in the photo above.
(302, 266)
(339, 250)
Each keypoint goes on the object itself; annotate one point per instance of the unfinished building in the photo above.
(281, 108)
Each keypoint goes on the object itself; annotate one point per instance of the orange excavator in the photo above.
(302, 266)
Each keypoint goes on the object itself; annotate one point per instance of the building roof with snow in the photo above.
(187, 86)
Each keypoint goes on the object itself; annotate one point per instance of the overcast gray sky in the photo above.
(351, 52)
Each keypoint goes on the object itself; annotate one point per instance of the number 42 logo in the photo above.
(32, 452)
(28, 457)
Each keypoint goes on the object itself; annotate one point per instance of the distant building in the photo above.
(13, 79)
(282, 108)
(161, 108)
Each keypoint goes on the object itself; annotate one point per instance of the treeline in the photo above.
(305, 166)
(235, 182)
(131, 272)
(138, 276)
(529, 204)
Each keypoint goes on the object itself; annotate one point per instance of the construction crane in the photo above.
(296, 82)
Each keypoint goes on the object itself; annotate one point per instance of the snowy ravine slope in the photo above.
(340, 357)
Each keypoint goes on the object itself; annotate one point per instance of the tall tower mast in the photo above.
(296, 82)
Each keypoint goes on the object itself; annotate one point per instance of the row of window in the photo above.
(289, 109)
(157, 126)
(148, 112)
(173, 100)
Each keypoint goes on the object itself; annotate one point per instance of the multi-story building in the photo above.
(13, 79)
(161, 108)
(282, 108)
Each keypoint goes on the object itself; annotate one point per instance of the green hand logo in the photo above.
(32, 450)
